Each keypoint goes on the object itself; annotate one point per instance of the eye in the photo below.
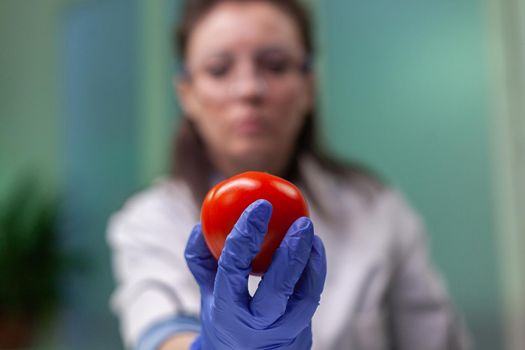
(275, 61)
(218, 70)
(276, 65)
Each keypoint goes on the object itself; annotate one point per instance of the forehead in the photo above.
(243, 25)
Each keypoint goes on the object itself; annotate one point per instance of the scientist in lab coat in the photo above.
(355, 275)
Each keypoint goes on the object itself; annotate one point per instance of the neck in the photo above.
(276, 164)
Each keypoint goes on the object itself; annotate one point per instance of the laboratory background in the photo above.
(428, 94)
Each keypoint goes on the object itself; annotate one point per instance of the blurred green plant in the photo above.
(32, 261)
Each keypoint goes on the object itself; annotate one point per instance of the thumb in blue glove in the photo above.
(279, 314)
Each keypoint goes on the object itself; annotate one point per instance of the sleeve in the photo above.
(421, 312)
(156, 295)
(159, 332)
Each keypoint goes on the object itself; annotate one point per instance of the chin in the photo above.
(255, 149)
(255, 156)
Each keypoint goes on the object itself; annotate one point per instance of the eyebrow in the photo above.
(265, 49)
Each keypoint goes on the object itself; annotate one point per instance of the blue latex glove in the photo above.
(279, 314)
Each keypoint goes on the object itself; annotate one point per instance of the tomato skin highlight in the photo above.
(225, 202)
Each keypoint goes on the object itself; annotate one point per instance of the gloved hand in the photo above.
(279, 314)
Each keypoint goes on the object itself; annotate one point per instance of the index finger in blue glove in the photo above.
(199, 259)
(240, 248)
(278, 283)
(305, 300)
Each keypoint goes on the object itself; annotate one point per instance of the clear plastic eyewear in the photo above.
(231, 75)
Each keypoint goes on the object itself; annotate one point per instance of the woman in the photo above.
(248, 94)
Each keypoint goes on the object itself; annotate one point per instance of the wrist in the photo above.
(180, 341)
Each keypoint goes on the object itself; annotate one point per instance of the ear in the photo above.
(183, 89)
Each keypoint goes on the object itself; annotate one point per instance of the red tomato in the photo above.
(225, 203)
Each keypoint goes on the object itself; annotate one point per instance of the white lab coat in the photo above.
(381, 291)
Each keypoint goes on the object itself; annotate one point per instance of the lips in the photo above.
(251, 126)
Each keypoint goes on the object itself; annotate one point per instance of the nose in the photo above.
(247, 83)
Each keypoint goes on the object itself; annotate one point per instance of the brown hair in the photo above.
(194, 10)
(190, 161)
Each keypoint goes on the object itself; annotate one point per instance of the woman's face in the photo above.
(247, 91)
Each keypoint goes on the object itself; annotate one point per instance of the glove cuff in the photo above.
(197, 343)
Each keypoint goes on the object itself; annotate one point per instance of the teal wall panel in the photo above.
(101, 158)
(29, 71)
(407, 92)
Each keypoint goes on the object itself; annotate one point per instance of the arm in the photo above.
(153, 284)
(421, 311)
